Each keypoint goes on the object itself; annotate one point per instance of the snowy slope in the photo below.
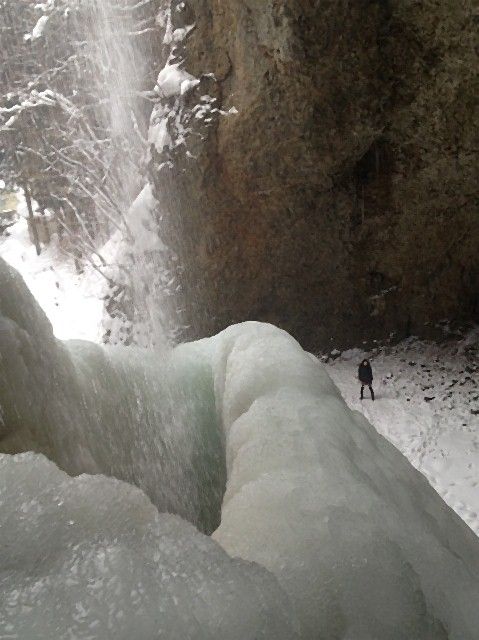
(427, 404)
(71, 301)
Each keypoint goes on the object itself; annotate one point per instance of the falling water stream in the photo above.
(117, 71)
(154, 428)
(130, 413)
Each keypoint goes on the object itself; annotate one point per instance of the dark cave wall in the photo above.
(341, 201)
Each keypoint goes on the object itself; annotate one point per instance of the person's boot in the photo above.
(372, 393)
(362, 392)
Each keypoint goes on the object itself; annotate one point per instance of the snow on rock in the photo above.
(91, 557)
(356, 537)
(38, 29)
(179, 35)
(158, 134)
(174, 120)
(172, 80)
(141, 223)
(164, 21)
(49, 5)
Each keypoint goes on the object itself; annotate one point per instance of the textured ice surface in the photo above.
(358, 540)
(142, 417)
(362, 544)
(91, 558)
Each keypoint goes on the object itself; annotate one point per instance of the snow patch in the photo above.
(159, 136)
(38, 29)
(172, 80)
(72, 301)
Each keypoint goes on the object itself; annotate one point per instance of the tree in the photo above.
(74, 108)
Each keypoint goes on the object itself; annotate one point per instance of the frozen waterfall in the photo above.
(322, 529)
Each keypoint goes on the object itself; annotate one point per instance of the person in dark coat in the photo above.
(365, 375)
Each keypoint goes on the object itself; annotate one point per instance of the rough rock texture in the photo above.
(340, 202)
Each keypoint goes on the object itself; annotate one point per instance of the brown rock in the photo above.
(340, 202)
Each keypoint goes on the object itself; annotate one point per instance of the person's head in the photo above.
(365, 362)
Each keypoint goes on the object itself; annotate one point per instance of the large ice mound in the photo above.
(363, 545)
(91, 558)
(360, 544)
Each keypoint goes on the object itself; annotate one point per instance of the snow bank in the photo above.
(141, 223)
(358, 540)
(139, 308)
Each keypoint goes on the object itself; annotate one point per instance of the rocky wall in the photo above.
(322, 174)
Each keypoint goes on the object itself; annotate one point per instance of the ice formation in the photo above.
(91, 557)
(110, 411)
(360, 544)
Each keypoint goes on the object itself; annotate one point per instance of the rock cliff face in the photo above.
(322, 174)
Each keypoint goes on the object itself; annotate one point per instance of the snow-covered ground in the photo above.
(72, 301)
(427, 404)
